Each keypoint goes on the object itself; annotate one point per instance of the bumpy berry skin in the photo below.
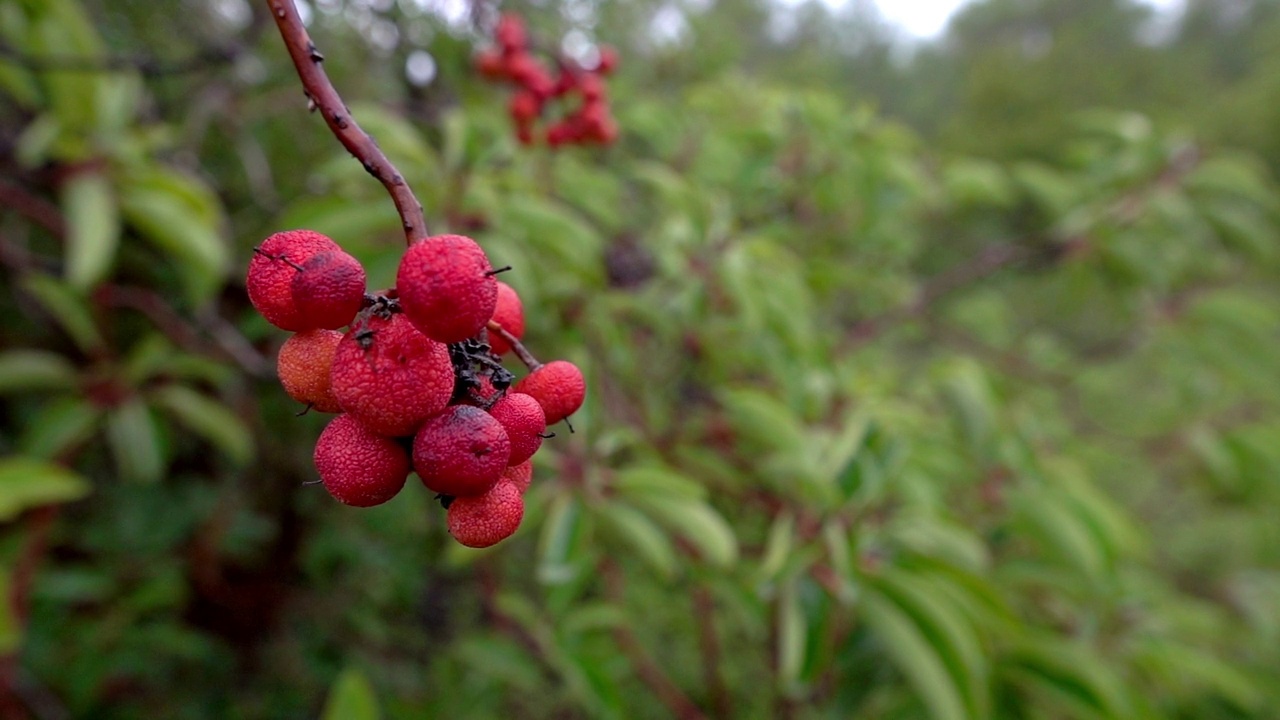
(271, 271)
(461, 452)
(522, 417)
(359, 467)
(509, 313)
(446, 287)
(487, 519)
(389, 376)
(558, 387)
(304, 366)
(329, 290)
(519, 475)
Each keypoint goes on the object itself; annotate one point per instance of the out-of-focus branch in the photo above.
(324, 97)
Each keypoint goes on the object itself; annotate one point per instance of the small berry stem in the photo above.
(322, 96)
(521, 351)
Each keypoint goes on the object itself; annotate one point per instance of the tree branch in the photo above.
(647, 669)
(324, 97)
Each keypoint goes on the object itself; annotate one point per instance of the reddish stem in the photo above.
(520, 350)
(324, 97)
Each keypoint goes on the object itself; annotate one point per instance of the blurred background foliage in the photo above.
(927, 379)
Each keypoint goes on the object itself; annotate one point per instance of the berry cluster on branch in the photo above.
(513, 62)
(417, 375)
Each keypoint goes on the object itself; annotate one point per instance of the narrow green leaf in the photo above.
(559, 531)
(59, 426)
(777, 547)
(645, 480)
(915, 657)
(93, 228)
(32, 370)
(636, 529)
(947, 629)
(135, 444)
(28, 482)
(351, 698)
(697, 522)
(10, 627)
(181, 221)
(793, 628)
(68, 309)
(208, 418)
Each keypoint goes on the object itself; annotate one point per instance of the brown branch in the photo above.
(986, 263)
(33, 207)
(647, 669)
(324, 97)
(704, 612)
(519, 349)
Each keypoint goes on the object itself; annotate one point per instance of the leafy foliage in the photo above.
(874, 428)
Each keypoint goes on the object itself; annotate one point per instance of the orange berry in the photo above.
(304, 364)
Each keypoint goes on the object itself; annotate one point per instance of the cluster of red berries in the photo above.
(416, 376)
(589, 122)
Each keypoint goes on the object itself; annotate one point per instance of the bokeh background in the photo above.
(929, 377)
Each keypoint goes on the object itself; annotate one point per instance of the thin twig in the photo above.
(704, 612)
(647, 669)
(147, 65)
(519, 349)
(324, 97)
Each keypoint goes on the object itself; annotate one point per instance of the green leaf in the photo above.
(947, 629)
(68, 309)
(351, 698)
(777, 547)
(10, 627)
(793, 629)
(644, 480)
(32, 370)
(28, 483)
(637, 530)
(135, 443)
(208, 418)
(182, 218)
(915, 657)
(93, 228)
(697, 522)
(559, 534)
(59, 426)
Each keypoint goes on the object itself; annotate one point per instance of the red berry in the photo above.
(519, 475)
(461, 452)
(522, 417)
(509, 313)
(304, 365)
(446, 287)
(491, 65)
(486, 519)
(592, 87)
(275, 262)
(525, 106)
(510, 32)
(329, 290)
(391, 377)
(359, 467)
(558, 387)
(608, 60)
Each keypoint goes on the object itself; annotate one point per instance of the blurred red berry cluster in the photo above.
(511, 61)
